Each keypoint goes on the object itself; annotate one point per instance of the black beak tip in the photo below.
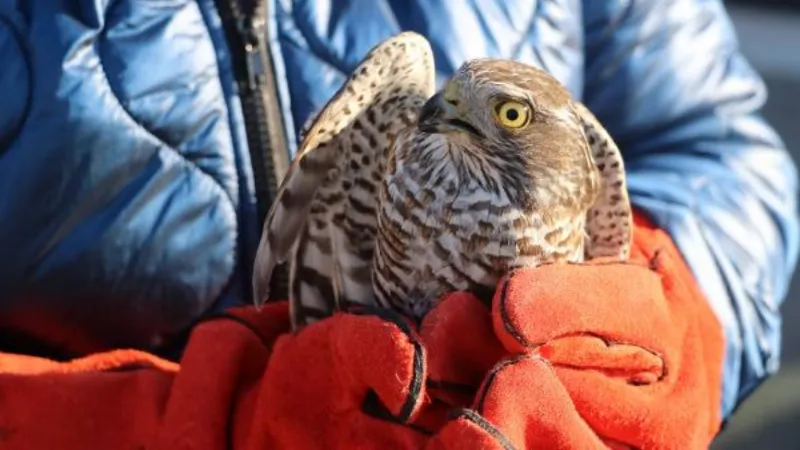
(430, 110)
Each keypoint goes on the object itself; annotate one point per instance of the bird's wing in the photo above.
(323, 221)
(609, 223)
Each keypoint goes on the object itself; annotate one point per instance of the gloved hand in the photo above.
(354, 380)
(599, 355)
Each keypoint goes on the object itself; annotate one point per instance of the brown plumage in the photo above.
(398, 195)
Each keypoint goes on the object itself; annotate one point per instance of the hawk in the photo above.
(399, 194)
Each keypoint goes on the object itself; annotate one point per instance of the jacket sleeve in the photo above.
(121, 209)
(669, 82)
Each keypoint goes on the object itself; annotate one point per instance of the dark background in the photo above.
(769, 35)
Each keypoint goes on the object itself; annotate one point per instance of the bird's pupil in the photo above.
(512, 114)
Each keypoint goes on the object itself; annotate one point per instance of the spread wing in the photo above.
(609, 223)
(323, 221)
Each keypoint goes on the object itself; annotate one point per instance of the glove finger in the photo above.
(460, 342)
(347, 375)
(378, 352)
(655, 413)
(630, 363)
(521, 404)
(619, 303)
(368, 369)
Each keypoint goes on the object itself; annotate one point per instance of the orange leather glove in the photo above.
(601, 355)
(626, 354)
(354, 380)
(595, 356)
(244, 382)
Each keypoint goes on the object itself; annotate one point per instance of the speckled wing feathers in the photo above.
(324, 221)
(609, 222)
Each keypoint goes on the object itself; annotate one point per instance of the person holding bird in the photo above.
(540, 224)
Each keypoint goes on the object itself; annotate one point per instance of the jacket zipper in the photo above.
(245, 24)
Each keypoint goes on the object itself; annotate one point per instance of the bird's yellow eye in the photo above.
(512, 114)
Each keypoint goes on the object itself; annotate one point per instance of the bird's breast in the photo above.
(469, 229)
(441, 229)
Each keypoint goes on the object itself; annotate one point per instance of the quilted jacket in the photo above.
(140, 141)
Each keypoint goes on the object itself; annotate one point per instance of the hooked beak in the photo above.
(440, 115)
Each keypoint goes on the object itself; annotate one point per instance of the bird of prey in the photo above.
(399, 194)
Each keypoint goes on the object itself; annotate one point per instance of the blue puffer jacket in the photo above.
(133, 136)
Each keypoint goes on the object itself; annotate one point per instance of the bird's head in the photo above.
(514, 117)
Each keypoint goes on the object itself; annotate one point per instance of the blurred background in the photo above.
(769, 34)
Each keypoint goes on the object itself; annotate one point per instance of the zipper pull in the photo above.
(252, 32)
